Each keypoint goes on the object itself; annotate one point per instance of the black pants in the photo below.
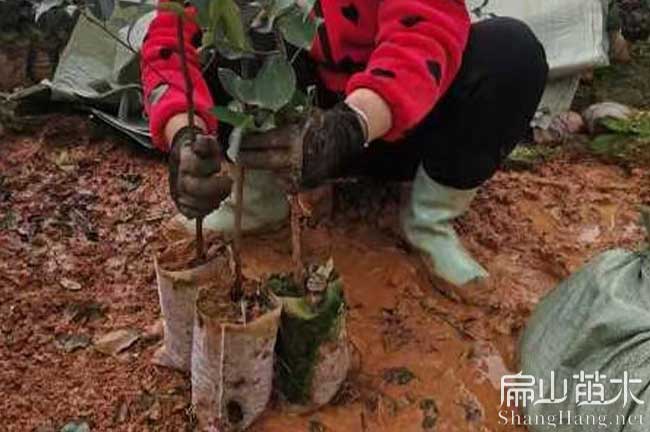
(478, 122)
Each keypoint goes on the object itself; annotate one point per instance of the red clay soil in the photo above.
(79, 218)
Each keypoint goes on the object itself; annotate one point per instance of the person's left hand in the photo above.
(322, 148)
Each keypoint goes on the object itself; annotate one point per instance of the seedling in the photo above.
(263, 99)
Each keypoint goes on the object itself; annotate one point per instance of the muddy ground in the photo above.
(80, 218)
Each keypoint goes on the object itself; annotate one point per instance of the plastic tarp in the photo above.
(99, 68)
(574, 34)
(588, 346)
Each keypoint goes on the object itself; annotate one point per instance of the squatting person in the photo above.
(412, 90)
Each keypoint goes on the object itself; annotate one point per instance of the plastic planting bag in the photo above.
(313, 348)
(232, 366)
(178, 287)
(585, 354)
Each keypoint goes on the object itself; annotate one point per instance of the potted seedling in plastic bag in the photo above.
(179, 276)
(233, 354)
(313, 351)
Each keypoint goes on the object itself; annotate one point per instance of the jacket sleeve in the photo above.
(162, 77)
(418, 52)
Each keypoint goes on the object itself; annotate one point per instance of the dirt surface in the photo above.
(183, 255)
(79, 220)
(217, 302)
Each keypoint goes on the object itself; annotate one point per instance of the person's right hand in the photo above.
(307, 154)
(197, 183)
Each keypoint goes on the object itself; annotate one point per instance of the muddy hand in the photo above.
(323, 147)
(197, 183)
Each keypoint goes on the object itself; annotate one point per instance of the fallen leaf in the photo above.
(316, 426)
(64, 161)
(154, 332)
(430, 413)
(72, 342)
(69, 284)
(398, 375)
(116, 341)
(76, 427)
(155, 411)
(48, 427)
(121, 413)
(84, 312)
(131, 182)
(8, 220)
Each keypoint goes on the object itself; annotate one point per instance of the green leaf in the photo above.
(297, 29)
(101, 9)
(270, 11)
(276, 83)
(174, 7)
(607, 144)
(307, 7)
(236, 86)
(225, 27)
(234, 118)
(203, 12)
(617, 125)
(638, 125)
(272, 88)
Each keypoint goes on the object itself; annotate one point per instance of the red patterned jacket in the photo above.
(407, 51)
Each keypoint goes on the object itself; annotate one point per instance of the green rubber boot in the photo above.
(265, 208)
(426, 225)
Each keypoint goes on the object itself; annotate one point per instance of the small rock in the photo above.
(72, 342)
(70, 285)
(117, 341)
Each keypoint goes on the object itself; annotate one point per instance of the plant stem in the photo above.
(200, 248)
(189, 88)
(189, 96)
(237, 289)
(296, 240)
(645, 220)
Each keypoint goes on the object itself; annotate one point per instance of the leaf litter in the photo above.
(93, 227)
